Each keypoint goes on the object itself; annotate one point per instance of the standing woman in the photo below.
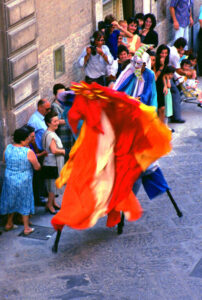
(149, 35)
(63, 130)
(17, 192)
(162, 59)
(53, 145)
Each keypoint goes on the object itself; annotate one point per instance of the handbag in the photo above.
(49, 172)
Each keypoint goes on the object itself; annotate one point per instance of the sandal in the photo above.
(30, 231)
(11, 228)
(56, 207)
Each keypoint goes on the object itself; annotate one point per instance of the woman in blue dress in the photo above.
(17, 192)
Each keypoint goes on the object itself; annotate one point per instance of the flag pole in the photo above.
(178, 211)
(57, 239)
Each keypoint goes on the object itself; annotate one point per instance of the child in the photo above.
(140, 18)
(189, 84)
(168, 108)
(124, 25)
(134, 42)
(193, 60)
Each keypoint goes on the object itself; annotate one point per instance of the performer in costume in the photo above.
(107, 158)
(138, 81)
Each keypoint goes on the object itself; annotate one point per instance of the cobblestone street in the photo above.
(159, 257)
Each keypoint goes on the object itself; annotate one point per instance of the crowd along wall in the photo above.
(70, 28)
(19, 66)
(30, 33)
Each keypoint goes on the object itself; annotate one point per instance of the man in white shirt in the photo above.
(95, 59)
(174, 61)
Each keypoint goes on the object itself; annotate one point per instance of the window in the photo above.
(105, 1)
(59, 62)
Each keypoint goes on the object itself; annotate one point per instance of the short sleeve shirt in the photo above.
(182, 11)
(174, 58)
(37, 121)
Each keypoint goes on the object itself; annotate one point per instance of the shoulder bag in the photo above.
(49, 172)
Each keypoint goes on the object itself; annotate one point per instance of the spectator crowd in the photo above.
(43, 145)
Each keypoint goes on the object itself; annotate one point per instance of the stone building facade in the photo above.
(40, 44)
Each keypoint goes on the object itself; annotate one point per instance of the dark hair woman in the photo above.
(17, 192)
(134, 42)
(133, 25)
(149, 35)
(53, 145)
(162, 59)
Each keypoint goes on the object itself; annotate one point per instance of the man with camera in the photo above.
(95, 58)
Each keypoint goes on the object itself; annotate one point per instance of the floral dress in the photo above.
(17, 190)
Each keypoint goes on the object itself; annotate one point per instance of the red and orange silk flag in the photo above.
(119, 139)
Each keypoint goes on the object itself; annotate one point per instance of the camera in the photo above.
(92, 46)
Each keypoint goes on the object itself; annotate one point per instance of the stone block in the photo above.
(23, 62)
(21, 36)
(25, 88)
(18, 10)
(21, 115)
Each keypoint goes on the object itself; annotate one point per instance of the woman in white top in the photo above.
(53, 145)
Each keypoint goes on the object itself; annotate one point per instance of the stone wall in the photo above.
(30, 31)
(138, 6)
(19, 67)
(108, 8)
(73, 46)
(113, 7)
(62, 23)
(19, 31)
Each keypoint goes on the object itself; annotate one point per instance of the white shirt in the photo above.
(113, 68)
(96, 65)
(174, 58)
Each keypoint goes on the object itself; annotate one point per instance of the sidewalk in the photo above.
(159, 257)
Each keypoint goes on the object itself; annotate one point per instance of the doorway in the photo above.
(128, 8)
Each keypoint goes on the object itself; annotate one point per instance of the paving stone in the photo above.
(197, 271)
(78, 294)
(153, 259)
